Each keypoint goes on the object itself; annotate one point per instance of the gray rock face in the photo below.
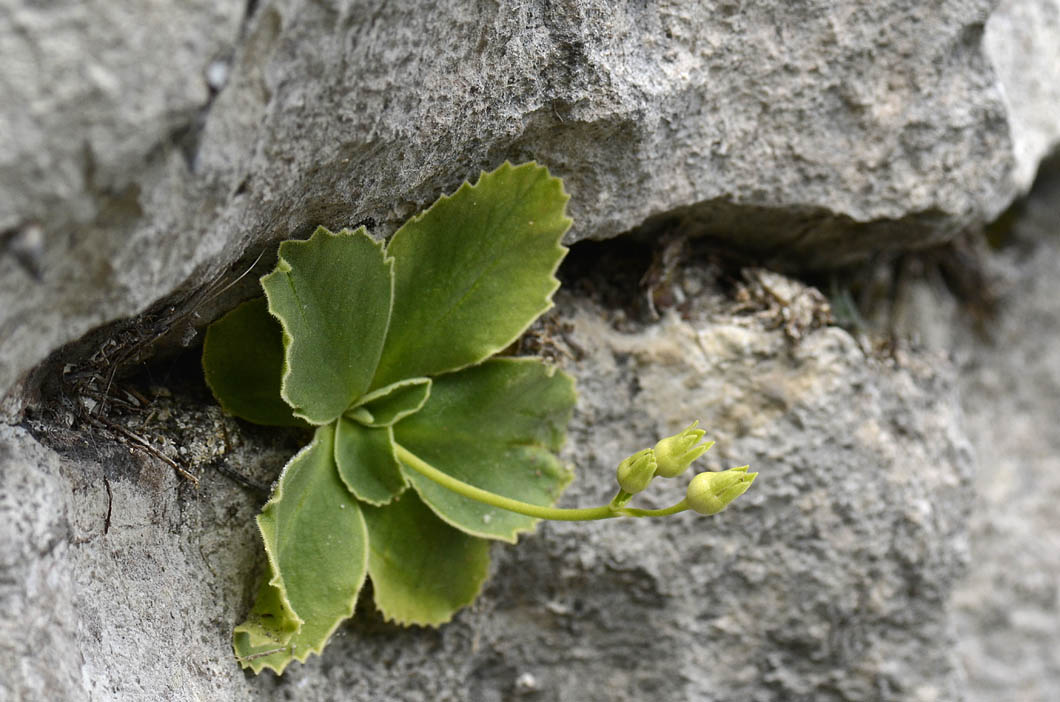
(828, 581)
(144, 152)
(97, 104)
(1006, 609)
(38, 637)
(1021, 40)
(814, 132)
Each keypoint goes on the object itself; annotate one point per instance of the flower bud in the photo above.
(675, 453)
(636, 472)
(710, 493)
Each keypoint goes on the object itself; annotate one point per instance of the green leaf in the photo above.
(332, 294)
(473, 272)
(242, 359)
(383, 407)
(366, 461)
(271, 623)
(422, 569)
(317, 544)
(495, 426)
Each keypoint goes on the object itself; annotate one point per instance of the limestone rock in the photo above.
(143, 151)
(1023, 41)
(38, 634)
(828, 580)
(1009, 381)
(1007, 610)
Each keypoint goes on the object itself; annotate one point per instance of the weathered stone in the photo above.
(829, 580)
(1022, 40)
(146, 150)
(99, 103)
(1009, 380)
(38, 632)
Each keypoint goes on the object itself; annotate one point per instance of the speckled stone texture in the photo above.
(1006, 610)
(1009, 610)
(145, 149)
(148, 153)
(1022, 42)
(829, 581)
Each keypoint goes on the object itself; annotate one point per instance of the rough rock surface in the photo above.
(1023, 41)
(829, 582)
(1007, 609)
(1009, 619)
(141, 152)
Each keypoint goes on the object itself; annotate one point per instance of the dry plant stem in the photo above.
(583, 514)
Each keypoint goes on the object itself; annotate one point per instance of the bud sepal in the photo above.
(635, 472)
(675, 453)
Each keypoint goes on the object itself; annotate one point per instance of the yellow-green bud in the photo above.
(636, 472)
(675, 453)
(710, 493)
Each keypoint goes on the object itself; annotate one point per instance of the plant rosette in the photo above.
(381, 349)
(425, 445)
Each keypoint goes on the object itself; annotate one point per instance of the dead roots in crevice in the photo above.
(137, 385)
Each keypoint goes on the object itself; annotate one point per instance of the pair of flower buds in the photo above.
(708, 493)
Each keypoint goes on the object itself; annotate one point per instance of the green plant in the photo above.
(388, 354)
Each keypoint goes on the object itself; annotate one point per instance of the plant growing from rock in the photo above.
(426, 445)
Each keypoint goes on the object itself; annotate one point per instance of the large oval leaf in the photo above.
(422, 569)
(472, 272)
(242, 359)
(332, 295)
(496, 426)
(317, 544)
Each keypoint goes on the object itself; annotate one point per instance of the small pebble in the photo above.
(525, 683)
(217, 74)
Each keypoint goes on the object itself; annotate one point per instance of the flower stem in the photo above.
(665, 512)
(584, 514)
